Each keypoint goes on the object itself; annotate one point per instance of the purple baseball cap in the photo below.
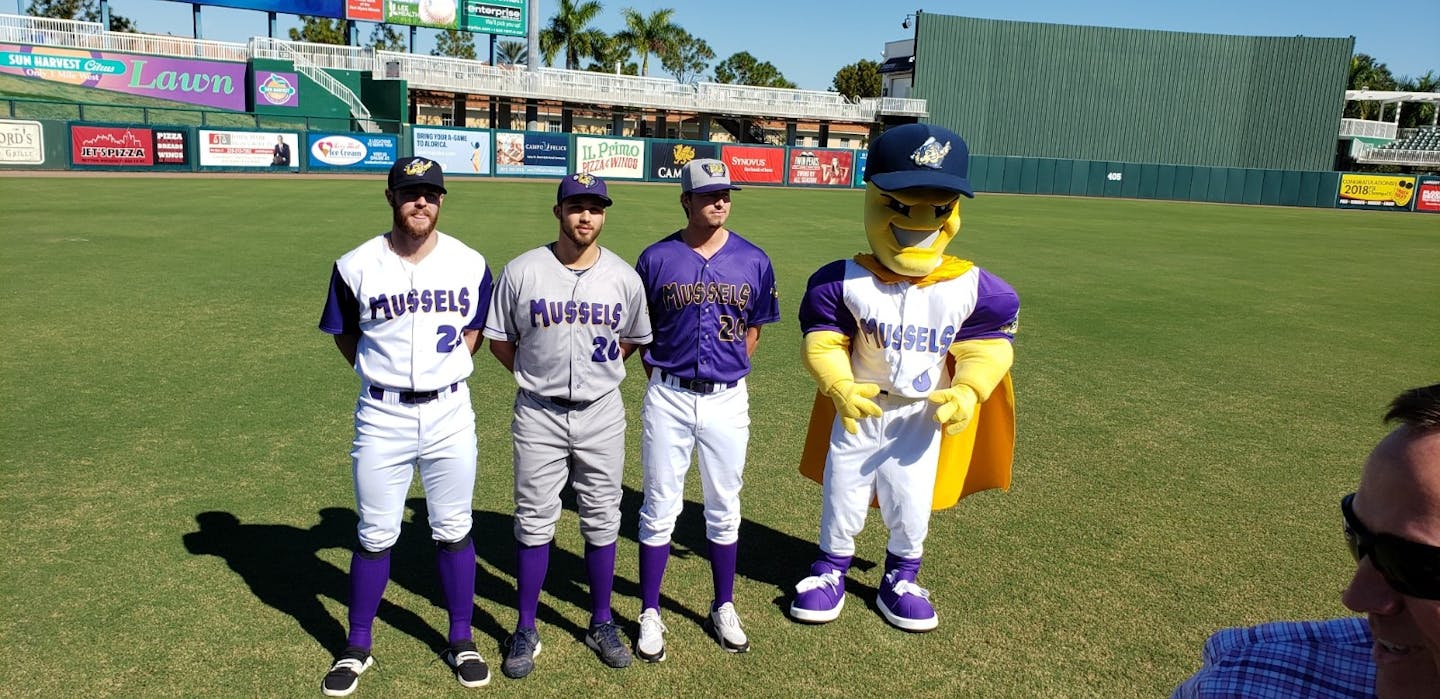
(414, 172)
(582, 184)
(920, 155)
(705, 175)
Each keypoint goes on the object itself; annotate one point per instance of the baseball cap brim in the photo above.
(911, 179)
(713, 188)
(601, 197)
(412, 185)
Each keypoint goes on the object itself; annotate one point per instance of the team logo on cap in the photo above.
(713, 169)
(419, 167)
(931, 154)
(584, 179)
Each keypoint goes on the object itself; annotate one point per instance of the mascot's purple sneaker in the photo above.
(905, 604)
(820, 597)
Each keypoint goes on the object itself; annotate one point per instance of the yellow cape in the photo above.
(974, 460)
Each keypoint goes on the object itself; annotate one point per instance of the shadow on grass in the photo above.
(282, 567)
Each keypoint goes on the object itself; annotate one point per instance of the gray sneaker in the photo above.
(651, 646)
(604, 638)
(520, 651)
(725, 624)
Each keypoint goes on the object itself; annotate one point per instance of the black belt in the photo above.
(412, 397)
(697, 385)
(560, 402)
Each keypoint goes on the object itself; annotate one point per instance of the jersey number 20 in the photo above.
(606, 350)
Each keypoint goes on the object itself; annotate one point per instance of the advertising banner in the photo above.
(127, 146)
(667, 157)
(276, 89)
(1427, 195)
(440, 14)
(821, 167)
(1375, 191)
(861, 157)
(209, 83)
(611, 158)
(21, 143)
(111, 146)
(755, 164)
(317, 8)
(459, 152)
(367, 10)
(257, 149)
(352, 151)
(525, 153)
(502, 17)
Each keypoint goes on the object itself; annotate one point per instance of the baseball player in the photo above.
(905, 343)
(406, 309)
(709, 291)
(564, 318)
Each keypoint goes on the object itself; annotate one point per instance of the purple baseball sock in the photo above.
(457, 581)
(722, 571)
(531, 562)
(368, 577)
(652, 571)
(600, 569)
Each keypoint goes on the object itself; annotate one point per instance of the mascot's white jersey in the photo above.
(900, 333)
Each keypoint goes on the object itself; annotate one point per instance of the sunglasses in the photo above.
(1411, 568)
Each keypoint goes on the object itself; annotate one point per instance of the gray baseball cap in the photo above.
(705, 175)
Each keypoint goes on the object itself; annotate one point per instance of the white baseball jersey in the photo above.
(567, 326)
(410, 316)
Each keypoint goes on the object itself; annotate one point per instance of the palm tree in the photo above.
(655, 34)
(568, 32)
(1367, 74)
(511, 53)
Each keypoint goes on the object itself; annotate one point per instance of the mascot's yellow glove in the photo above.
(979, 367)
(827, 356)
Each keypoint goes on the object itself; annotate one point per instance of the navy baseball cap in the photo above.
(705, 175)
(920, 155)
(582, 184)
(414, 172)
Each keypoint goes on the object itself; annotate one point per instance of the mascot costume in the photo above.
(911, 349)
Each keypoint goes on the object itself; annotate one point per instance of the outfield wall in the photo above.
(482, 153)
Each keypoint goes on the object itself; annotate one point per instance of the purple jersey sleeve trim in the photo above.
(482, 308)
(997, 307)
(342, 312)
(767, 309)
(823, 307)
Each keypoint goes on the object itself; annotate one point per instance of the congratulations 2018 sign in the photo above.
(209, 83)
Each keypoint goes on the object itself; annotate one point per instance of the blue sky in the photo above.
(809, 41)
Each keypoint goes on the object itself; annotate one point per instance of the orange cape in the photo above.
(974, 460)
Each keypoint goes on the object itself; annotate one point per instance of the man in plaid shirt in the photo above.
(1392, 525)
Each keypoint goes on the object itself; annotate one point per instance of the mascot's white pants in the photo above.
(893, 457)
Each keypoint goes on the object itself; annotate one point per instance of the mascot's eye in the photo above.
(944, 210)
(896, 206)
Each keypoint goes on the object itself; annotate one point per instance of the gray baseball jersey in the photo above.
(567, 326)
(569, 421)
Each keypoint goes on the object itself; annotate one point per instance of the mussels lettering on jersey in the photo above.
(675, 295)
(546, 313)
(393, 306)
(907, 337)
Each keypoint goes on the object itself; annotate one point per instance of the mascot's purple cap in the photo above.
(919, 155)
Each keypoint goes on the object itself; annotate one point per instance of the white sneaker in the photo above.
(725, 624)
(650, 647)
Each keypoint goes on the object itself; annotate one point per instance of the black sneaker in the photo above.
(469, 667)
(344, 675)
(604, 638)
(520, 651)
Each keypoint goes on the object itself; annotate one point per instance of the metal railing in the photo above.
(356, 58)
(90, 36)
(328, 82)
(1350, 128)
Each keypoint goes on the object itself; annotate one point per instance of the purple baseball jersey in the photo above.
(700, 309)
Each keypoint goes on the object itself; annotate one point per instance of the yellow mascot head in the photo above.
(915, 175)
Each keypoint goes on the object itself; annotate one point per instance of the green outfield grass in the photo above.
(1198, 385)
